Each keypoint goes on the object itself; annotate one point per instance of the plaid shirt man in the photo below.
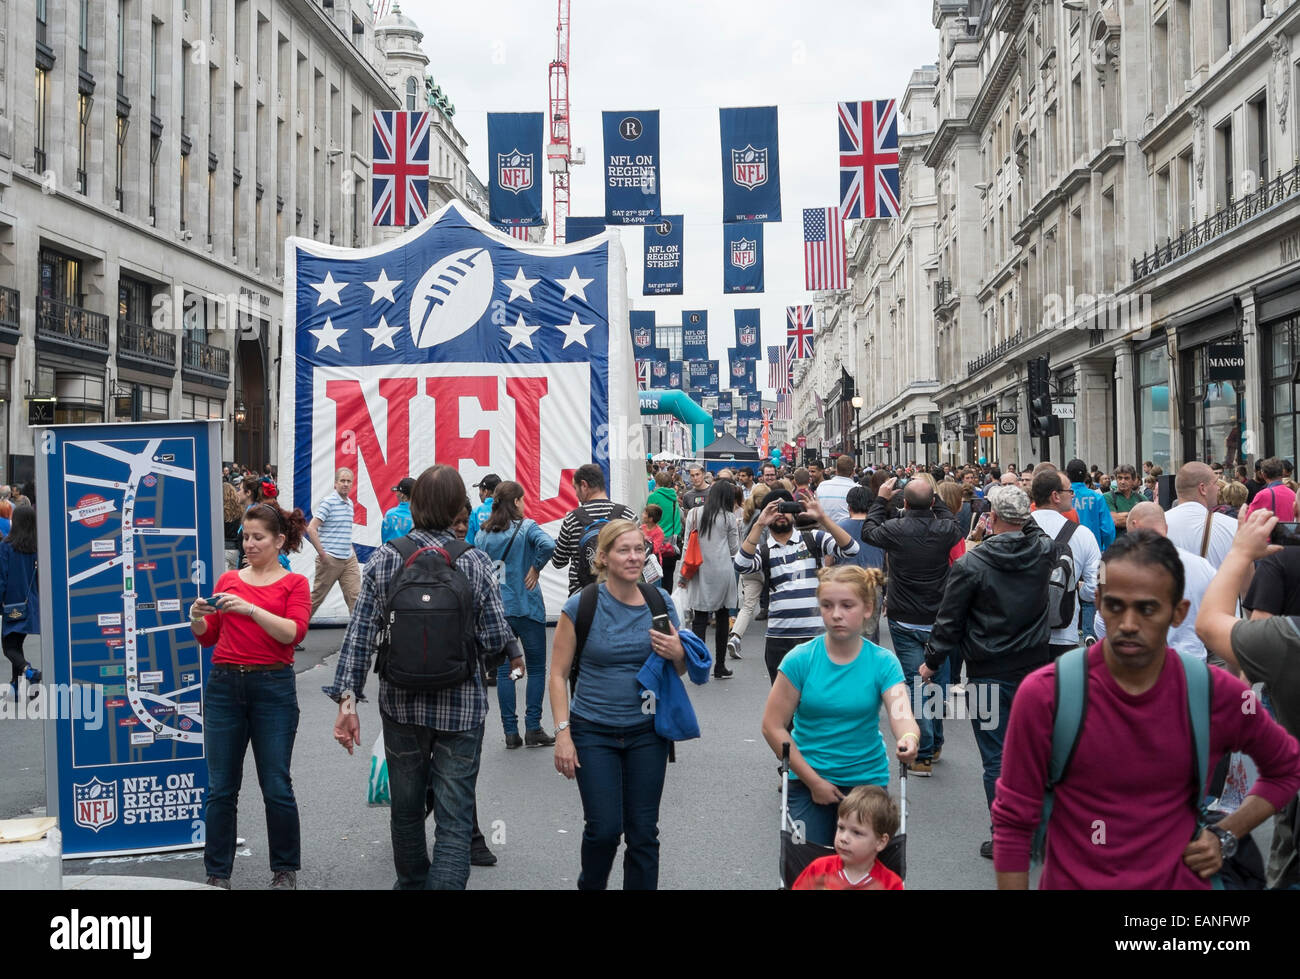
(458, 708)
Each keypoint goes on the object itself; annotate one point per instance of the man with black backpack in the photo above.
(576, 544)
(430, 606)
(1077, 557)
(789, 562)
(994, 613)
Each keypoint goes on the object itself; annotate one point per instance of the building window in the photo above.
(83, 36)
(196, 406)
(84, 105)
(123, 125)
(1214, 412)
(1153, 407)
(155, 147)
(80, 398)
(1281, 404)
(60, 277)
(153, 67)
(412, 93)
(1223, 162)
(212, 202)
(42, 104)
(185, 180)
(42, 23)
(1257, 141)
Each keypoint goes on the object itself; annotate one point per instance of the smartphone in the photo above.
(663, 623)
(790, 507)
(978, 506)
(902, 481)
(215, 600)
(1286, 533)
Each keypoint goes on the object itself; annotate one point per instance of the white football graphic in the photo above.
(451, 297)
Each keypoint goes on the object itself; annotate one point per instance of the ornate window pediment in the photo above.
(1103, 41)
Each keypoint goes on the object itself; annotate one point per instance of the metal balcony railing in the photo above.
(136, 341)
(205, 359)
(1270, 193)
(943, 291)
(993, 355)
(71, 324)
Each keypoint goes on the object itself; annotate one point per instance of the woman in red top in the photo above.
(254, 620)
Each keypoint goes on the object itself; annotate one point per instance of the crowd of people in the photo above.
(1019, 588)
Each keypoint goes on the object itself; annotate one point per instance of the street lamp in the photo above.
(857, 429)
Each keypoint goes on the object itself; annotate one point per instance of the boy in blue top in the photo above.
(397, 521)
(487, 486)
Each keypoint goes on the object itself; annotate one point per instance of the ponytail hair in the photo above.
(867, 582)
(278, 521)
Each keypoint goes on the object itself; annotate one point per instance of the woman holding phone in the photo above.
(255, 618)
(605, 738)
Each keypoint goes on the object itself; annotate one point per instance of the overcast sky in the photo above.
(687, 59)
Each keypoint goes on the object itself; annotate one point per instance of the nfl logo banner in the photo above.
(642, 322)
(663, 257)
(747, 334)
(631, 167)
(578, 229)
(724, 401)
(742, 257)
(695, 335)
(675, 371)
(399, 173)
(459, 346)
(755, 404)
(659, 373)
(515, 162)
(751, 171)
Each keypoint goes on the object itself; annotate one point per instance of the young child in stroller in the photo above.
(868, 819)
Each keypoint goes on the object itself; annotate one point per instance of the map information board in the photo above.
(130, 519)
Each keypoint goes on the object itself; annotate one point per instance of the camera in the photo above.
(902, 481)
(1285, 534)
(980, 507)
(789, 507)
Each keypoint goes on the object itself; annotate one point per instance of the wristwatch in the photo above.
(1227, 842)
(561, 726)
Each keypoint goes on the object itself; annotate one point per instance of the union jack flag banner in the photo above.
(399, 176)
(799, 331)
(824, 262)
(780, 368)
(869, 159)
(455, 344)
(643, 375)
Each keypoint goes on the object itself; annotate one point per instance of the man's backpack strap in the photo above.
(1065, 533)
(406, 549)
(1067, 723)
(1198, 710)
(814, 546)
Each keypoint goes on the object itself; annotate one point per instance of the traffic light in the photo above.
(1042, 423)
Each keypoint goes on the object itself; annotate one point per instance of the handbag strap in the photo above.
(1205, 537)
(512, 541)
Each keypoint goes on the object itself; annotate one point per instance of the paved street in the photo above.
(719, 816)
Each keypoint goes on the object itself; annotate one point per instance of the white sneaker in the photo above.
(733, 646)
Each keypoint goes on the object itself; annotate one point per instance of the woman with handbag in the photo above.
(604, 737)
(519, 549)
(254, 620)
(711, 591)
(18, 585)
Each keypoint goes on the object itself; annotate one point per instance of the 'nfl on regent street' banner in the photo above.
(631, 167)
(695, 335)
(751, 169)
(663, 257)
(742, 257)
(456, 344)
(515, 167)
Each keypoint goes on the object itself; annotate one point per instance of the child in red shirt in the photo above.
(868, 818)
(650, 518)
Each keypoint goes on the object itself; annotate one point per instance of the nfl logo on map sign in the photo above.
(455, 345)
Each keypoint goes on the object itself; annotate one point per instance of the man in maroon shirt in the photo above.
(1123, 815)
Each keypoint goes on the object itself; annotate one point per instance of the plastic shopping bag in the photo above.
(377, 792)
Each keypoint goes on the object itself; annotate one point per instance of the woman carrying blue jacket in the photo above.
(519, 548)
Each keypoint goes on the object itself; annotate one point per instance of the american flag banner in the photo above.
(399, 175)
(869, 159)
(821, 406)
(382, 9)
(780, 368)
(825, 266)
(784, 407)
(519, 232)
(799, 331)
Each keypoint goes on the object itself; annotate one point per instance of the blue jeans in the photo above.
(818, 820)
(1087, 613)
(996, 695)
(909, 647)
(621, 779)
(448, 760)
(239, 708)
(532, 636)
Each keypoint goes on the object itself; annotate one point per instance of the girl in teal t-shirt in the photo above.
(831, 688)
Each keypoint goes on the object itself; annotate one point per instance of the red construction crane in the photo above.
(559, 151)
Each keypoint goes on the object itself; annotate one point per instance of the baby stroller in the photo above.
(797, 854)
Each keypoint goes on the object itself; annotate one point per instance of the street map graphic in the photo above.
(134, 568)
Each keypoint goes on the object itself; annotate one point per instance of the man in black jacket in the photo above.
(994, 612)
(916, 543)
